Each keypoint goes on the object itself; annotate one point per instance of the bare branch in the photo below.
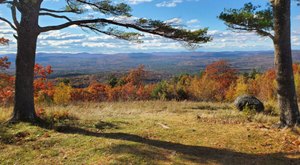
(8, 22)
(55, 16)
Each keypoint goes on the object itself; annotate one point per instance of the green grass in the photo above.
(152, 132)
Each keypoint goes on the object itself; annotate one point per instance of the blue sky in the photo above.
(191, 14)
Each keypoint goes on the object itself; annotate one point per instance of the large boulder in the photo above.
(248, 101)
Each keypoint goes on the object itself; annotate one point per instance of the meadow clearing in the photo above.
(148, 132)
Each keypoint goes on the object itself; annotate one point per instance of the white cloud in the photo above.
(123, 19)
(135, 2)
(229, 41)
(99, 45)
(73, 41)
(296, 40)
(192, 21)
(59, 35)
(171, 3)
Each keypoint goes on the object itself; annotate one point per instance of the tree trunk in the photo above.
(28, 32)
(287, 99)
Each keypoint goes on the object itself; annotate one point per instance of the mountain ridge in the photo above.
(163, 62)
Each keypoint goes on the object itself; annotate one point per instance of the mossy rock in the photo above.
(248, 101)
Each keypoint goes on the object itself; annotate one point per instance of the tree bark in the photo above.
(28, 32)
(287, 99)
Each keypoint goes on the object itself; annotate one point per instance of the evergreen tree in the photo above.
(274, 19)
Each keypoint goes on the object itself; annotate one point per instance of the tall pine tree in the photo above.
(275, 23)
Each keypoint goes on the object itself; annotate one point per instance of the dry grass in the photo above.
(152, 132)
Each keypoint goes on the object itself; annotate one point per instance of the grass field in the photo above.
(153, 132)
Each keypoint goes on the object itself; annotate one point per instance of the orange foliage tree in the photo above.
(136, 76)
(264, 86)
(129, 87)
(215, 81)
(43, 88)
(98, 92)
(222, 73)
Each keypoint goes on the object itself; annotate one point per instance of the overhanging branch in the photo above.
(61, 11)
(95, 6)
(258, 31)
(105, 21)
(55, 16)
(147, 26)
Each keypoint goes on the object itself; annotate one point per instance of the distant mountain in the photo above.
(161, 62)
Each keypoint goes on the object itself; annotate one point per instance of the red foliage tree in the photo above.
(222, 74)
(98, 92)
(41, 82)
(6, 82)
(136, 76)
(43, 88)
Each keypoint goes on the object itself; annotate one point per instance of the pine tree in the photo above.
(264, 21)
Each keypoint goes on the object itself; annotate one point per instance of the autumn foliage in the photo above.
(217, 82)
(129, 87)
(6, 82)
(3, 41)
(43, 88)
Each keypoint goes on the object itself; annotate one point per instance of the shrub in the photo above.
(144, 92)
(53, 116)
(44, 96)
(98, 92)
(113, 81)
(271, 108)
(81, 95)
(203, 89)
(266, 85)
(62, 94)
(249, 112)
(161, 91)
(237, 89)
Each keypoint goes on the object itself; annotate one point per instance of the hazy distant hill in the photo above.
(167, 63)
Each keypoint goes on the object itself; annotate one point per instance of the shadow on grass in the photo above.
(197, 154)
(137, 154)
(209, 107)
(106, 125)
